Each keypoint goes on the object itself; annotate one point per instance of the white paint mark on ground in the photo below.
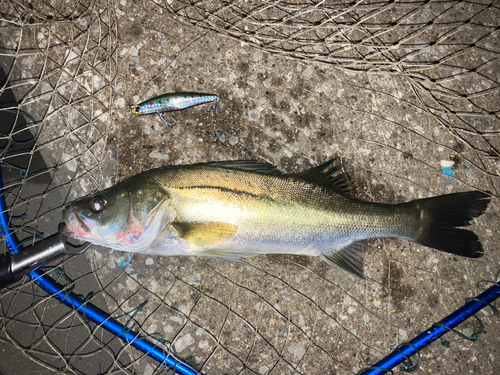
(254, 115)
(159, 155)
(154, 285)
(133, 51)
(403, 336)
(447, 163)
(308, 72)
(149, 370)
(120, 102)
(183, 343)
(202, 344)
(258, 56)
(297, 350)
(233, 140)
(111, 262)
(195, 279)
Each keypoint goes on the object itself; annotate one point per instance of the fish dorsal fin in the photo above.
(349, 258)
(205, 234)
(334, 178)
(247, 165)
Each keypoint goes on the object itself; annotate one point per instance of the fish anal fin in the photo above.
(334, 178)
(348, 258)
(205, 234)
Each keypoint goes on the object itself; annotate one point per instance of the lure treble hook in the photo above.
(215, 108)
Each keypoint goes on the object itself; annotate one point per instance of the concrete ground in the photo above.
(292, 314)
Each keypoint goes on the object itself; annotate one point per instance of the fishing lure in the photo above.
(177, 101)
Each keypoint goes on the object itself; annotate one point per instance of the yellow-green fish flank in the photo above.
(239, 209)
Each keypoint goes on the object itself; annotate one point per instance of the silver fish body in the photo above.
(238, 209)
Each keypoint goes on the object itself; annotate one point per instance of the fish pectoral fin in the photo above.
(205, 234)
(348, 258)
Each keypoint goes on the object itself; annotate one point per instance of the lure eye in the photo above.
(97, 204)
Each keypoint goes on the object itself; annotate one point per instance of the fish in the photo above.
(162, 104)
(236, 209)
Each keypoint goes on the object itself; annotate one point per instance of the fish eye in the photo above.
(97, 204)
(137, 109)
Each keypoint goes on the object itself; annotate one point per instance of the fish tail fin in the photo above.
(443, 214)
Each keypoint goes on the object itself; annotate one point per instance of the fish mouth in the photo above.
(132, 110)
(72, 219)
(64, 230)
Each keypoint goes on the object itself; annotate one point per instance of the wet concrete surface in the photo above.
(287, 314)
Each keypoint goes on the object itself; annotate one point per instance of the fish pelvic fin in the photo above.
(330, 175)
(348, 258)
(205, 234)
(443, 214)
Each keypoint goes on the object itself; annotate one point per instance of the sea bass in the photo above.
(240, 209)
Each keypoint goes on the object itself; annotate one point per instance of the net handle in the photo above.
(437, 330)
(86, 309)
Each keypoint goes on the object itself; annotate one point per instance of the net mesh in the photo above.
(405, 92)
(445, 51)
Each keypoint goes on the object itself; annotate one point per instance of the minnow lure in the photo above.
(177, 101)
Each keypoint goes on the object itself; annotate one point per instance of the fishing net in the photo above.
(57, 66)
(406, 93)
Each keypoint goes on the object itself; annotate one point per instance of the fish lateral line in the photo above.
(222, 189)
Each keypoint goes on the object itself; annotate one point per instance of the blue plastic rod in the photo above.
(434, 332)
(86, 309)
